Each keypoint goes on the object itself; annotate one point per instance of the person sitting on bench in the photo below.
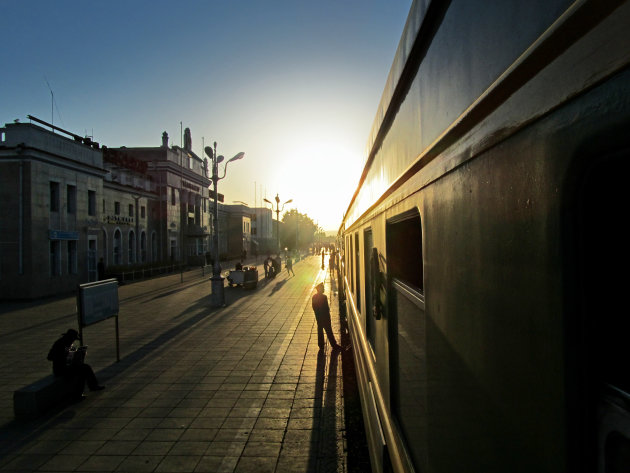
(64, 365)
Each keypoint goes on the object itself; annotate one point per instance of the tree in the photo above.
(298, 230)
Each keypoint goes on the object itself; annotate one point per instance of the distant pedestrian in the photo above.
(266, 265)
(69, 366)
(331, 263)
(100, 269)
(290, 266)
(323, 258)
(277, 265)
(322, 316)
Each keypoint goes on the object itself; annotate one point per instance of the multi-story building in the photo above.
(181, 207)
(130, 224)
(262, 230)
(66, 202)
(238, 231)
(50, 186)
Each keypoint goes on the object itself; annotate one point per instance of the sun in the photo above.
(323, 177)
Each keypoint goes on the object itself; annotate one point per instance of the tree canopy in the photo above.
(298, 230)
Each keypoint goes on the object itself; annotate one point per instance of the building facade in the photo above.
(66, 203)
(181, 206)
(50, 186)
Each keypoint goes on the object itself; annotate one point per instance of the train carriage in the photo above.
(484, 250)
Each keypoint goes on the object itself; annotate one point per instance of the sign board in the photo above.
(97, 301)
(62, 235)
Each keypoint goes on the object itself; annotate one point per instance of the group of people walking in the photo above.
(273, 266)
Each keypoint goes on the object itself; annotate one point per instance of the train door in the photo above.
(407, 335)
(597, 349)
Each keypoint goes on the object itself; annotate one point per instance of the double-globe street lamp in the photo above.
(217, 285)
(278, 210)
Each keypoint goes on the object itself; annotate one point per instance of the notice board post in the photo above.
(98, 301)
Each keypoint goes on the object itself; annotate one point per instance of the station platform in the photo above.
(243, 388)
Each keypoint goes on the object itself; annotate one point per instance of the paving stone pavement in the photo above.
(242, 388)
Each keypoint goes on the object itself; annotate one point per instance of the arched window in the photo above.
(104, 255)
(143, 247)
(132, 247)
(154, 247)
(117, 247)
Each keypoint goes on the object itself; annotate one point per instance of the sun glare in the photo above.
(323, 176)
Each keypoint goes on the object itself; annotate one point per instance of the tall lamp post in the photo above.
(278, 210)
(218, 296)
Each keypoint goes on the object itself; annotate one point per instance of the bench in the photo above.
(33, 400)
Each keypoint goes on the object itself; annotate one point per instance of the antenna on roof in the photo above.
(52, 103)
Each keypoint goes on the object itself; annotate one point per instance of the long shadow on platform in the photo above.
(277, 287)
(18, 433)
(323, 444)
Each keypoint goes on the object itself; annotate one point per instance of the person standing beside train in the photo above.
(322, 316)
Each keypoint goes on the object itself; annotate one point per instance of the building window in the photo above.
(54, 197)
(92, 203)
(131, 210)
(71, 199)
(54, 258)
(132, 247)
(143, 247)
(173, 196)
(103, 206)
(72, 257)
(154, 248)
(117, 246)
(143, 212)
(117, 208)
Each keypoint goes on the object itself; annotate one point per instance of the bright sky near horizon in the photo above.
(293, 84)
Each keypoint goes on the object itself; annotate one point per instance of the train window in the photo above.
(597, 347)
(357, 269)
(368, 264)
(351, 266)
(407, 340)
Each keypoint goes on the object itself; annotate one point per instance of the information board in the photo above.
(97, 301)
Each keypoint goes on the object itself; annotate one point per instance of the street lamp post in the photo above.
(217, 285)
(278, 210)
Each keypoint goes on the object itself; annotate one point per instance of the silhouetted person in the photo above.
(100, 268)
(266, 265)
(63, 366)
(322, 315)
(290, 266)
(277, 265)
(239, 266)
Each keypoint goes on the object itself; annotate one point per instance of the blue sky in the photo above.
(293, 84)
